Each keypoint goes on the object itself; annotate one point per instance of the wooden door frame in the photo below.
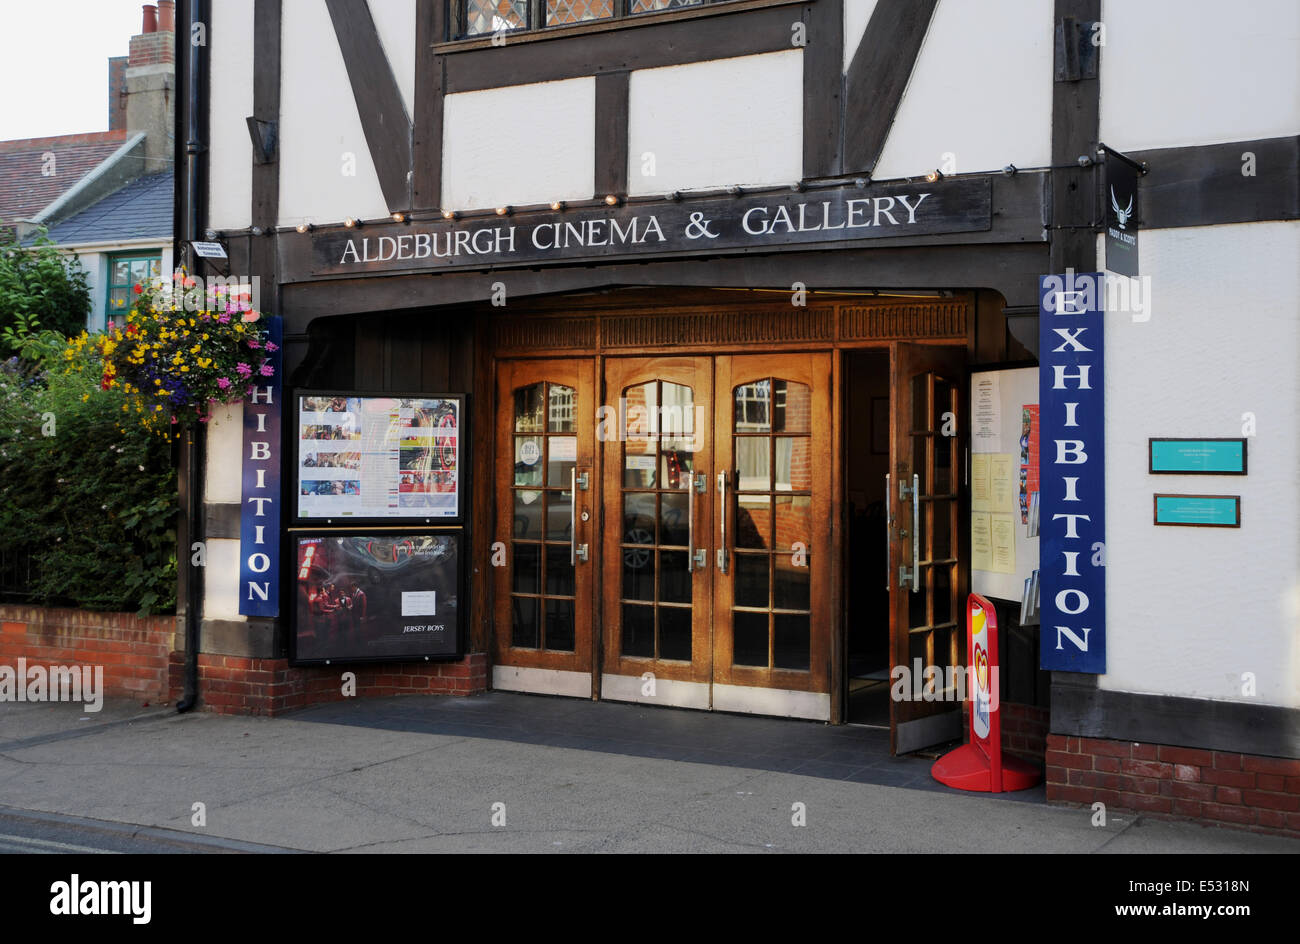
(513, 373)
(631, 371)
(900, 421)
(816, 370)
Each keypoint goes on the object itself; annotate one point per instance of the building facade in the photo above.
(713, 280)
(107, 196)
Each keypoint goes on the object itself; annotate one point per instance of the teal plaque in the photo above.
(1203, 511)
(1198, 456)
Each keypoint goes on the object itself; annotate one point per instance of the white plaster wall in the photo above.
(857, 13)
(221, 580)
(717, 123)
(223, 482)
(319, 126)
(230, 152)
(1179, 72)
(395, 23)
(1188, 610)
(981, 90)
(519, 144)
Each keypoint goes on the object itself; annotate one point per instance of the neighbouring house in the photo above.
(107, 196)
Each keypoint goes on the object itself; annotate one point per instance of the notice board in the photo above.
(1002, 477)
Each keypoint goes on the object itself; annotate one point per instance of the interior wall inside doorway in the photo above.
(866, 462)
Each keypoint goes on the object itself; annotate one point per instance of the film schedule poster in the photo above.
(378, 457)
(365, 597)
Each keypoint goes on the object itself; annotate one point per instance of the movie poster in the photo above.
(378, 457)
(377, 596)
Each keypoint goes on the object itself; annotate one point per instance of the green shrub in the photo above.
(40, 287)
(90, 496)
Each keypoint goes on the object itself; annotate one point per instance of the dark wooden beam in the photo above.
(878, 75)
(378, 99)
(1011, 269)
(823, 86)
(611, 133)
(1203, 185)
(265, 210)
(648, 46)
(1076, 116)
(1081, 709)
(426, 137)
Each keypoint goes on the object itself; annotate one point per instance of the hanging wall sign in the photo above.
(700, 226)
(1072, 473)
(1121, 199)
(259, 517)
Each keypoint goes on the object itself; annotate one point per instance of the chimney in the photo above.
(150, 82)
(166, 16)
(116, 92)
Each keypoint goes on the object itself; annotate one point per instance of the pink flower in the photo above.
(249, 317)
(272, 346)
(244, 370)
(266, 370)
(223, 383)
(254, 343)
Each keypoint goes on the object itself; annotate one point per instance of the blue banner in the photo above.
(1072, 473)
(259, 519)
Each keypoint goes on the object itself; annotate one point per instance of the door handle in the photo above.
(916, 534)
(889, 533)
(722, 506)
(577, 552)
(912, 575)
(694, 558)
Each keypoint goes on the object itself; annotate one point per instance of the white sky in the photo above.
(56, 63)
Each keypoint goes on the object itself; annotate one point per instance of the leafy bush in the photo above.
(89, 496)
(40, 287)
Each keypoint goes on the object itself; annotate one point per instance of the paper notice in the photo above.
(981, 542)
(1003, 482)
(1003, 542)
(980, 496)
(986, 434)
(419, 602)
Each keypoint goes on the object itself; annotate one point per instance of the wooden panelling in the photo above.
(544, 333)
(737, 326)
(920, 320)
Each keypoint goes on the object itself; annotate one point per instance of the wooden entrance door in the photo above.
(772, 598)
(717, 532)
(655, 430)
(927, 576)
(543, 578)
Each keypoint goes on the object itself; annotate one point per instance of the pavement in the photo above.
(504, 772)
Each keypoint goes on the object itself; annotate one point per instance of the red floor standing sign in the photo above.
(979, 765)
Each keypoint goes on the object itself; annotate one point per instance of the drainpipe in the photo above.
(189, 230)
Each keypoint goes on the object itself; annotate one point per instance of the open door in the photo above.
(927, 572)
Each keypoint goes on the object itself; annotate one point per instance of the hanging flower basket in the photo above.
(176, 357)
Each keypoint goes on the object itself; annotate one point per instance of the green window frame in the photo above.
(125, 271)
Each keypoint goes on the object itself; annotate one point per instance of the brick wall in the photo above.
(133, 650)
(1220, 787)
(237, 685)
(1024, 731)
(150, 49)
